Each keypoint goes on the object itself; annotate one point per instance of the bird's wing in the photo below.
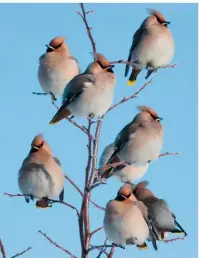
(123, 137)
(76, 86)
(136, 37)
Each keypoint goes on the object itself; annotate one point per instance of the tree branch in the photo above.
(95, 231)
(53, 201)
(95, 152)
(169, 154)
(82, 194)
(88, 28)
(111, 252)
(57, 245)
(125, 99)
(174, 239)
(2, 249)
(21, 253)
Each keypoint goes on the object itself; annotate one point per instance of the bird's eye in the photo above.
(41, 145)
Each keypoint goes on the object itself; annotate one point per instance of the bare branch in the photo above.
(103, 250)
(111, 252)
(95, 152)
(57, 245)
(95, 231)
(98, 247)
(169, 154)
(88, 167)
(125, 99)
(174, 239)
(15, 195)
(121, 62)
(53, 201)
(21, 253)
(74, 185)
(2, 249)
(113, 165)
(88, 28)
(81, 193)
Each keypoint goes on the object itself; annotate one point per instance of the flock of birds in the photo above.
(136, 214)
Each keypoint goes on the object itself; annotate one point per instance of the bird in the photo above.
(140, 141)
(125, 173)
(152, 47)
(56, 67)
(89, 94)
(41, 175)
(164, 220)
(126, 220)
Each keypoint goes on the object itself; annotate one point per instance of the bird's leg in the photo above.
(120, 246)
(28, 198)
(91, 116)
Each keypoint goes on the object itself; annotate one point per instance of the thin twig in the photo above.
(95, 231)
(125, 99)
(74, 185)
(66, 204)
(97, 247)
(174, 239)
(2, 249)
(81, 193)
(103, 250)
(21, 253)
(57, 245)
(88, 28)
(111, 252)
(88, 166)
(53, 201)
(169, 154)
(82, 128)
(95, 152)
(121, 62)
(113, 165)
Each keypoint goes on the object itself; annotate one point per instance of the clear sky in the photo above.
(25, 29)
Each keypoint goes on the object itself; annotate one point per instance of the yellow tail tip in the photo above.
(142, 247)
(131, 83)
(179, 233)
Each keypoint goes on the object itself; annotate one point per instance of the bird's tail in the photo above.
(180, 230)
(62, 113)
(133, 77)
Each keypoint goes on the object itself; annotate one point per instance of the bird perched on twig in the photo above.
(152, 47)
(164, 220)
(126, 220)
(41, 175)
(56, 68)
(89, 93)
(126, 173)
(139, 142)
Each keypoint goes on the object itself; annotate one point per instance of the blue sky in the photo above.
(25, 29)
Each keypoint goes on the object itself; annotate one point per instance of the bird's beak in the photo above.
(159, 119)
(109, 68)
(166, 23)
